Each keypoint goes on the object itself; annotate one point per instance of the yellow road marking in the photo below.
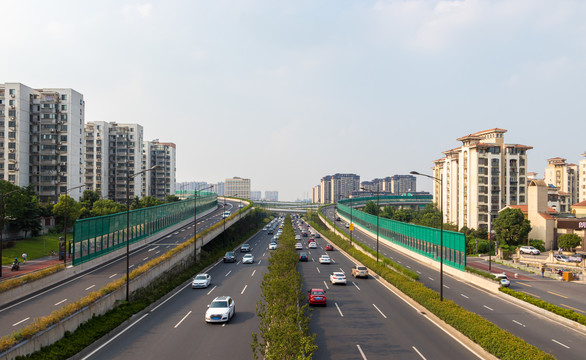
(524, 284)
(528, 293)
(565, 297)
(568, 306)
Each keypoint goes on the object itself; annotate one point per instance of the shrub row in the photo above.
(227, 240)
(30, 277)
(493, 339)
(284, 324)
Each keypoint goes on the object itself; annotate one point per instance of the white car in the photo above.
(201, 281)
(529, 250)
(222, 309)
(273, 246)
(226, 214)
(325, 259)
(248, 259)
(338, 278)
(312, 245)
(298, 246)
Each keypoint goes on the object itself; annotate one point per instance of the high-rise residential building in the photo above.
(219, 189)
(582, 179)
(401, 184)
(237, 187)
(113, 152)
(255, 195)
(272, 195)
(160, 181)
(325, 189)
(481, 177)
(563, 176)
(316, 197)
(336, 187)
(41, 132)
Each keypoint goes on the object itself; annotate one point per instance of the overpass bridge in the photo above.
(286, 207)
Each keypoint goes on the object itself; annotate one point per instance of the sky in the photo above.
(286, 92)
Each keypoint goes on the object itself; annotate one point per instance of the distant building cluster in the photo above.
(45, 141)
(236, 186)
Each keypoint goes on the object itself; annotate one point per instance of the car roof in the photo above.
(316, 289)
(221, 298)
(338, 273)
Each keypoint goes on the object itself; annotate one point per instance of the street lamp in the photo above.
(441, 182)
(195, 223)
(377, 215)
(128, 178)
(65, 223)
(2, 196)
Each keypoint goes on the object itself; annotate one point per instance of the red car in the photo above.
(317, 297)
(329, 247)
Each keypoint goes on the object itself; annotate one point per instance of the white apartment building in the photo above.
(481, 177)
(582, 179)
(161, 181)
(563, 176)
(112, 153)
(333, 188)
(219, 189)
(255, 195)
(237, 187)
(316, 197)
(41, 134)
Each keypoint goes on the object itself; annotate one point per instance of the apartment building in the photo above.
(316, 194)
(563, 176)
(582, 179)
(401, 184)
(237, 187)
(159, 182)
(481, 177)
(219, 188)
(255, 195)
(272, 195)
(41, 133)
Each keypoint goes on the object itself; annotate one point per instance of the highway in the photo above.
(21, 313)
(552, 337)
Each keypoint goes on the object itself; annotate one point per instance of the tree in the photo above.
(88, 198)
(106, 207)
(511, 227)
(404, 215)
(73, 209)
(149, 201)
(569, 241)
(371, 208)
(171, 198)
(387, 212)
(431, 220)
(26, 212)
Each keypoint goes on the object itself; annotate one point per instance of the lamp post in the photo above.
(2, 196)
(128, 178)
(377, 215)
(65, 223)
(441, 182)
(195, 223)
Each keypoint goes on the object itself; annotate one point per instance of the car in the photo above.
(248, 259)
(221, 309)
(529, 250)
(201, 281)
(360, 271)
(317, 235)
(245, 248)
(561, 258)
(297, 237)
(329, 247)
(505, 282)
(325, 259)
(577, 257)
(303, 256)
(338, 278)
(312, 245)
(230, 256)
(316, 297)
(273, 246)
(270, 231)
(298, 246)
(241, 206)
(304, 234)
(338, 219)
(225, 214)
(347, 225)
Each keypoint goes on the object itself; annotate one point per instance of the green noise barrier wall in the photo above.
(420, 239)
(97, 236)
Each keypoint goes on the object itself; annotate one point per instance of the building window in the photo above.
(11, 102)
(63, 97)
(11, 91)
(63, 107)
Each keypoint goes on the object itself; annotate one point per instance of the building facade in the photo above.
(255, 195)
(402, 184)
(219, 189)
(481, 177)
(161, 181)
(272, 195)
(237, 187)
(563, 176)
(41, 133)
(582, 179)
(316, 197)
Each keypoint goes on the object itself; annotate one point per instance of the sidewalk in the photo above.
(31, 266)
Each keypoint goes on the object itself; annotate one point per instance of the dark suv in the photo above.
(230, 257)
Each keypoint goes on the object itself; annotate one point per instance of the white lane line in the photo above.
(409, 266)
(430, 278)
(131, 266)
(153, 249)
(209, 292)
(465, 296)
(379, 311)
(259, 262)
(312, 259)
(145, 258)
(90, 287)
(179, 323)
(418, 353)
(340, 311)
(61, 302)
(361, 353)
(342, 270)
(419, 272)
(157, 252)
(21, 321)
(318, 270)
(238, 262)
(518, 323)
(353, 283)
(228, 273)
(557, 342)
(488, 308)
(253, 273)
(243, 290)
(111, 276)
(446, 286)
(326, 284)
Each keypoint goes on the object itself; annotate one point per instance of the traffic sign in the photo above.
(351, 227)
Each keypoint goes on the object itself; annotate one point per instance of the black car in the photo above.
(271, 231)
(230, 257)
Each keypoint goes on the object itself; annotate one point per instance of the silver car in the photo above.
(201, 281)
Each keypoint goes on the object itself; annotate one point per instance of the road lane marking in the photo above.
(209, 292)
(90, 287)
(528, 293)
(518, 323)
(228, 273)
(263, 254)
(326, 284)
(61, 302)
(238, 262)
(418, 353)
(488, 308)
(179, 323)
(557, 342)
(573, 308)
(153, 249)
(551, 292)
(417, 271)
(353, 283)
(253, 273)
(522, 283)
(430, 278)
(243, 290)
(111, 276)
(131, 266)
(465, 296)
(379, 311)
(361, 353)
(157, 252)
(446, 286)
(259, 262)
(342, 270)
(318, 270)
(340, 311)
(21, 321)
(145, 258)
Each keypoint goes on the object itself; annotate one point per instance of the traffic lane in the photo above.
(178, 326)
(365, 316)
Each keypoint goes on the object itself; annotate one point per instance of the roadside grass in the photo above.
(34, 247)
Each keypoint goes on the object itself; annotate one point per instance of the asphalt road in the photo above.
(21, 313)
(552, 337)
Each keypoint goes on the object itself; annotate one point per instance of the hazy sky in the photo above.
(285, 92)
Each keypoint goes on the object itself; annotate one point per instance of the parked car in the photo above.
(338, 278)
(360, 271)
(222, 309)
(303, 256)
(329, 247)
(529, 250)
(317, 297)
(230, 256)
(201, 281)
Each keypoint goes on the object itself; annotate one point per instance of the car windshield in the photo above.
(200, 277)
(219, 304)
(229, 254)
(339, 274)
(317, 293)
(361, 268)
